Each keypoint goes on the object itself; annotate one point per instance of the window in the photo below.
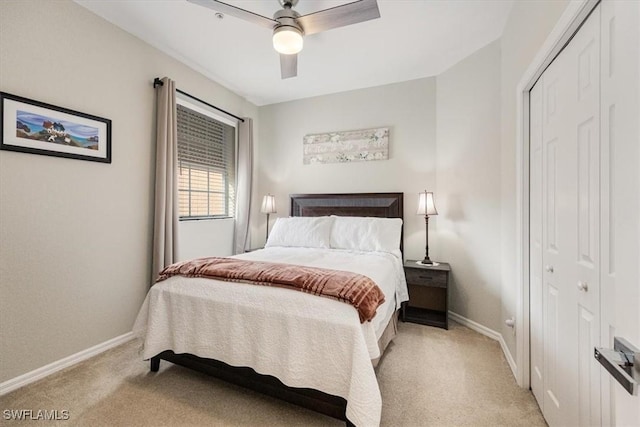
(206, 164)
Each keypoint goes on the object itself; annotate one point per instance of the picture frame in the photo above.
(30, 126)
(346, 146)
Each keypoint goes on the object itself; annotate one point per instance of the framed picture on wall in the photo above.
(30, 126)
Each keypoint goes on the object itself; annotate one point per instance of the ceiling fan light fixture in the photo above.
(289, 26)
(287, 40)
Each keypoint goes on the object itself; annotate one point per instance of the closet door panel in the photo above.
(620, 274)
(535, 229)
(608, 74)
(585, 112)
(553, 247)
(566, 234)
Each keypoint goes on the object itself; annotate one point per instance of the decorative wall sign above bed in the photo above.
(34, 127)
(349, 146)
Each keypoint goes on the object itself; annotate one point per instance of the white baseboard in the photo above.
(488, 333)
(58, 365)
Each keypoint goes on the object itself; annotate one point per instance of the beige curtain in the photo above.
(165, 227)
(243, 185)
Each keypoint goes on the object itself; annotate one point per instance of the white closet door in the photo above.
(585, 238)
(620, 175)
(584, 282)
(565, 265)
(555, 244)
(535, 229)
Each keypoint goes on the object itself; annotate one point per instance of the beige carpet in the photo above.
(428, 377)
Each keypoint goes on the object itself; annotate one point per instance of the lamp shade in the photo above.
(268, 204)
(426, 205)
(287, 40)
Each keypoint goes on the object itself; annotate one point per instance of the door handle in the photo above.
(549, 268)
(623, 363)
(583, 286)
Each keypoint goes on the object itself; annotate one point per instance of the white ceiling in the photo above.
(412, 39)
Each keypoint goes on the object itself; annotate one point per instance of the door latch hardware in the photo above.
(623, 363)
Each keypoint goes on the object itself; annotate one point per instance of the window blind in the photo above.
(206, 165)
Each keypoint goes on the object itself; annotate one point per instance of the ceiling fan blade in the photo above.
(288, 65)
(221, 7)
(339, 16)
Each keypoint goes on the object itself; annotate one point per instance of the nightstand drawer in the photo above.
(433, 278)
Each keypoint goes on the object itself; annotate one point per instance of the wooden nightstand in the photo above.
(428, 294)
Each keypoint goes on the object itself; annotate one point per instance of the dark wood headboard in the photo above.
(384, 205)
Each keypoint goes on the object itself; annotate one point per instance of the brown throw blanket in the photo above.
(355, 289)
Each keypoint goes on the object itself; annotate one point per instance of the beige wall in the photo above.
(408, 109)
(468, 183)
(528, 26)
(76, 235)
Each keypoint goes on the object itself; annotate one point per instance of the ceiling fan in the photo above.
(289, 27)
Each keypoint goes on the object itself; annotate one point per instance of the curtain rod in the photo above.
(158, 82)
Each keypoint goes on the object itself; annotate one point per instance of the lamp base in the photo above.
(430, 263)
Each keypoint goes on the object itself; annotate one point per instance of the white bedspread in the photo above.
(301, 339)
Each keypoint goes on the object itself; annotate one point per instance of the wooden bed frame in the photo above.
(387, 205)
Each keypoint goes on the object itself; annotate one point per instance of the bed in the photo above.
(314, 353)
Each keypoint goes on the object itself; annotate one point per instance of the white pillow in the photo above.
(298, 231)
(366, 234)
